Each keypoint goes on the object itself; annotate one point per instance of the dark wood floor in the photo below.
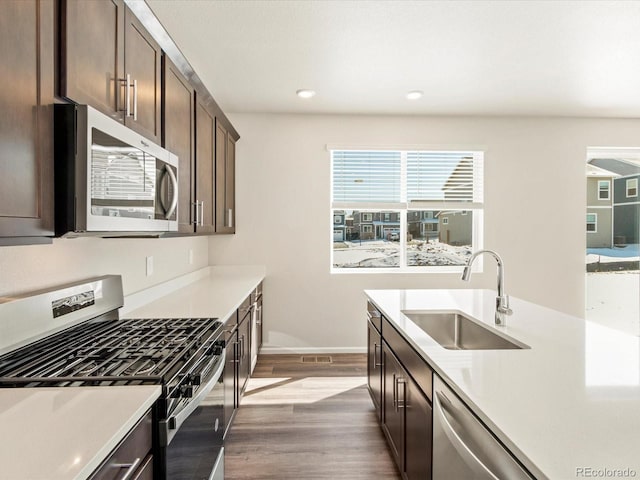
(307, 418)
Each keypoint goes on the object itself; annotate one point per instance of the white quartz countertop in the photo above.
(65, 432)
(570, 402)
(217, 292)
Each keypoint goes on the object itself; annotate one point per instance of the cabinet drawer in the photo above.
(244, 309)
(375, 317)
(420, 370)
(134, 449)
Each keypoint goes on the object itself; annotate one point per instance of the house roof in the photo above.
(619, 166)
(594, 171)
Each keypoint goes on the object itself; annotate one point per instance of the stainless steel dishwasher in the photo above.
(463, 447)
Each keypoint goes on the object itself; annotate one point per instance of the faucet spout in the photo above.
(502, 300)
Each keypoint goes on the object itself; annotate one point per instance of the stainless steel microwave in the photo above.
(109, 180)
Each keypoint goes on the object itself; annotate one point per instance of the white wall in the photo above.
(534, 212)
(31, 267)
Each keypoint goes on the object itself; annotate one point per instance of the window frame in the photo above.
(594, 223)
(608, 189)
(366, 210)
(629, 182)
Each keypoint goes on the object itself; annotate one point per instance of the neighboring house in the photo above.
(422, 224)
(455, 227)
(599, 207)
(626, 200)
(376, 225)
(339, 226)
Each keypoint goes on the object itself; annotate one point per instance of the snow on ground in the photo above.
(613, 299)
(616, 254)
(381, 253)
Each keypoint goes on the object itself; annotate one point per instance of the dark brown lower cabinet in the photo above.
(244, 352)
(418, 436)
(404, 408)
(393, 415)
(374, 367)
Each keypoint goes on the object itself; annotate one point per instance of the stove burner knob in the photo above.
(194, 378)
(186, 391)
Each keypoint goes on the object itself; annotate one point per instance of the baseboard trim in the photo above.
(307, 350)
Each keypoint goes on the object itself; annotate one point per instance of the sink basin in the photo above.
(454, 331)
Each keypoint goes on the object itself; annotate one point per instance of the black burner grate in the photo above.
(109, 352)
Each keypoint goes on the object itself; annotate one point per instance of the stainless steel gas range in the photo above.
(72, 336)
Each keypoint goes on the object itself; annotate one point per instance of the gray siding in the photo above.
(592, 191)
(458, 230)
(602, 237)
(626, 223)
(620, 190)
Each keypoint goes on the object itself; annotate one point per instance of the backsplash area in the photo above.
(32, 267)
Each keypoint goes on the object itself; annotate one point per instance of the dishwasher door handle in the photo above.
(470, 458)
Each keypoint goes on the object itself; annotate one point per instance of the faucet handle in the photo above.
(502, 305)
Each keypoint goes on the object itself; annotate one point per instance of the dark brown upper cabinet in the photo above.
(225, 181)
(26, 121)
(110, 61)
(179, 138)
(204, 170)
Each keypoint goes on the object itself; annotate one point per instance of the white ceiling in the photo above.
(567, 58)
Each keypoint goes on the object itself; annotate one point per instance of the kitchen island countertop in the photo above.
(568, 407)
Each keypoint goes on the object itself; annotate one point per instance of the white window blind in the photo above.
(366, 176)
(444, 176)
(447, 177)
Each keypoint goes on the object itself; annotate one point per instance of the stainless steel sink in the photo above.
(454, 331)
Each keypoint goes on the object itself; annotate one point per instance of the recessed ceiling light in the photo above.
(304, 93)
(415, 94)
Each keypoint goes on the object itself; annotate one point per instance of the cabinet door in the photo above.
(418, 433)
(26, 121)
(204, 173)
(393, 413)
(374, 367)
(230, 376)
(92, 54)
(142, 62)
(244, 354)
(179, 137)
(225, 180)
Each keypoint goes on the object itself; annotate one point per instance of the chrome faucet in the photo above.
(502, 300)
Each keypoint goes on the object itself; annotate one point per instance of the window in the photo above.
(337, 219)
(592, 222)
(398, 200)
(604, 188)
(632, 187)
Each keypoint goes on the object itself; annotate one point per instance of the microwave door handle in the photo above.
(174, 200)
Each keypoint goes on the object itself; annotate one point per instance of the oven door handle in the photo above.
(178, 419)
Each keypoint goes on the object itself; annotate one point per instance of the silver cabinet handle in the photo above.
(230, 217)
(131, 468)
(127, 95)
(194, 212)
(456, 441)
(375, 356)
(395, 393)
(202, 213)
(135, 100)
(174, 200)
(402, 381)
(259, 316)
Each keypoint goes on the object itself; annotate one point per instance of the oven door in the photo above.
(195, 444)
